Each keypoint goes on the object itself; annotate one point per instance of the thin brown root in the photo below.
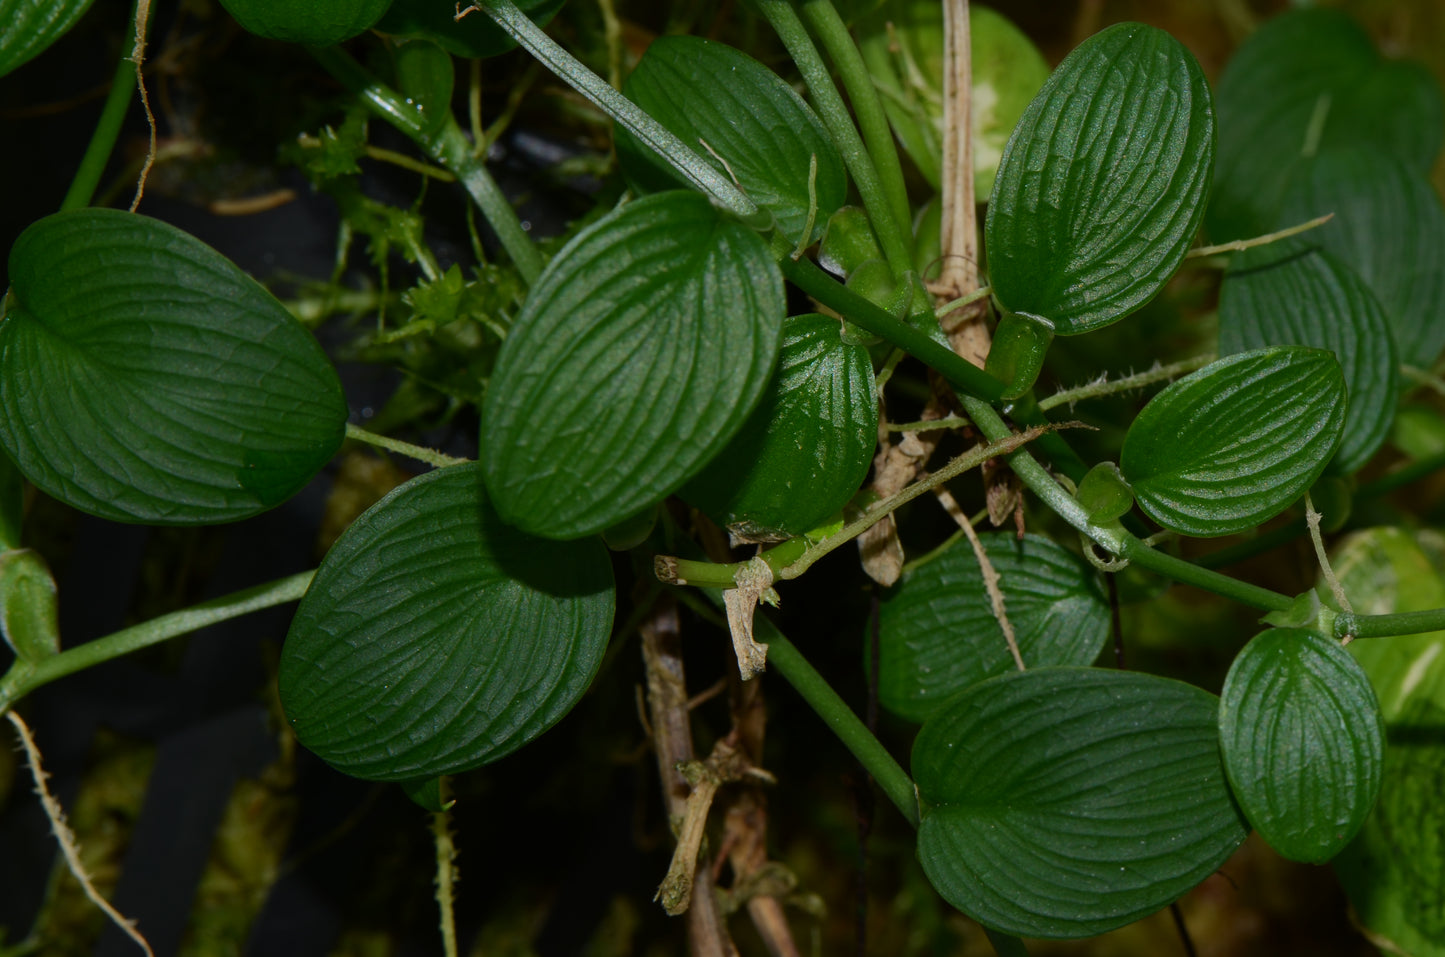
(990, 574)
(138, 55)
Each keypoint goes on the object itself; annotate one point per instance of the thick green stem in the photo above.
(823, 19)
(795, 669)
(443, 141)
(891, 230)
(24, 678)
(600, 93)
(1390, 626)
(107, 131)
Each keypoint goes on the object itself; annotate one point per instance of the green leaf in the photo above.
(144, 378)
(474, 35)
(1070, 801)
(1237, 442)
(29, 615)
(1394, 870)
(426, 793)
(32, 25)
(1103, 184)
(807, 446)
(1292, 294)
(638, 355)
(424, 75)
(436, 638)
(903, 46)
(756, 128)
(1309, 81)
(316, 23)
(938, 634)
(1104, 494)
(12, 500)
(1389, 227)
(1303, 741)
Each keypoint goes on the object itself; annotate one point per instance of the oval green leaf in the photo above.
(32, 25)
(1389, 227)
(807, 446)
(145, 378)
(1293, 294)
(1070, 801)
(1309, 81)
(1303, 742)
(474, 35)
(29, 614)
(750, 125)
(1103, 184)
(938, 635)
(1237, 442)
(436, 638)
(638, 355)
(316, 22)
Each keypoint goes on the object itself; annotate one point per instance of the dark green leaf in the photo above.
(938, 634)
(1394, 870)
(1310, 80)
(144, 378)
(1237, 442)
(807, 446)
(1303, 740)
(436, 638)
(29, 616)
(316, 22)
(474, 35)
(1103, 184)
(12, 500)
(32, 25)
(1104, 494)
(1070, 801)
(424, 75)
(639, 354)
(848, 242)
(754, 126)
(1292, 294)
(426, 793)
(1389, 227)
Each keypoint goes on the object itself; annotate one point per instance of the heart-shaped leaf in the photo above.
(638, 355)
(1294, 294)
(1237, 442)
(807, 446)
(436, 638)
(1306, 82)
(474, 35)
(315, 22)
(1070, 801)
(751, 125)
(144, 378)
(1389, 227)
(1303, 741)
(938, 634)
(1103, 184)
(32, 25)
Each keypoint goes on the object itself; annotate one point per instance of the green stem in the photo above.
(22, 679)
(962, 374)
(1390, 626)
(1004, 945)
(795, 669)
(443, 141)
(430, 456)
(107, 131)
(1402, 476)
(600, 93)
(1258, 545)
(822, 17)
(835, 116)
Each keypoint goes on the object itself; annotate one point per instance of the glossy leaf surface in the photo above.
(32, 25)
(316, 22)
(1394, 870)
(1295, 295)
(1065, 802)
(1389, 227)
(474, 35)
(938, 635)
(145, 378)
(1103, 184)
(1237, 442)
(756, 129)
(639, 354)
(806, 448)
(437, 638)
(1303, 742)
(1307, 82)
